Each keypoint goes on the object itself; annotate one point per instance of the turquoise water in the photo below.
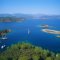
(36, 36)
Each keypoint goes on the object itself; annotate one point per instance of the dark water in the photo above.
(36, 37)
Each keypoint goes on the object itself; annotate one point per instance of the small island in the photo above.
(3, 33)
(43, 26)
(51, 31)
(27, 51)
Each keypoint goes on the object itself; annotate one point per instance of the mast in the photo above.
(28, 31)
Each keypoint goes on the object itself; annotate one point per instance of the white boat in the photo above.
(4, 37)
(28, 31)
(3, 46)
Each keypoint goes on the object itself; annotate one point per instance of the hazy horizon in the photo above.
(47, 7)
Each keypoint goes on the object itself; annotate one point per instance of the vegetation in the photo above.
(26, 51)
(11, 19)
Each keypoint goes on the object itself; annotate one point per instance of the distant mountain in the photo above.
(42, 16)
(16, 15)
(20, 15)
(11, 19)
(5, 15)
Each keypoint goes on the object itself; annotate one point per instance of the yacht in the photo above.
(3, 37)
(3, 46)
(28, 31)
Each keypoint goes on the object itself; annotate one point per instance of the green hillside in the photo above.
(26, 51)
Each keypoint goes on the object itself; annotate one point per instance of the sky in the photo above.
(50, 7)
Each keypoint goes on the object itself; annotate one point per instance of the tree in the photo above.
(48, 58)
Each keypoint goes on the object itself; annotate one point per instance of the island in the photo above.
(11, 19)
(3, 33)
(43, 26)
(51, 31)
(27, 51)
(43, 18)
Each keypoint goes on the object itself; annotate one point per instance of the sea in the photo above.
(30, 32)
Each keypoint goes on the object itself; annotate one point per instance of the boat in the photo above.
(3, 37)
(28, 31)
(3, 46)
(43, 26)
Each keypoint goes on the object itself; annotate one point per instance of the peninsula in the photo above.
(51, 31)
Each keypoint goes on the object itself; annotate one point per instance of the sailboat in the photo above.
(4, 37)
(28, 31)
(3, 46)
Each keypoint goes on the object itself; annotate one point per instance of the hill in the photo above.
(26, 51)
